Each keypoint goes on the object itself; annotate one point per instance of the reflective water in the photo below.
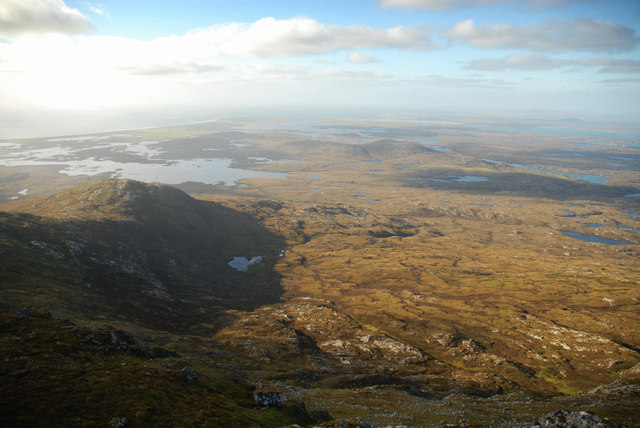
(242, 264)
(633, 136)
(364, 198)
(437, 148)
(596, 239)
(469, 179)
(137, 160)
(624, 226)
(591, 178)
(573, 214)
(317, 129)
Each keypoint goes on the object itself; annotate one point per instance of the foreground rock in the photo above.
(268, 399)
(566, 419)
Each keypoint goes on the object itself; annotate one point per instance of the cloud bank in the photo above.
(537, 62)
(439, 5)
(19, 17)
(205, 50)
(580, 34)
(300, 61)
(270, 37)
(360, 58)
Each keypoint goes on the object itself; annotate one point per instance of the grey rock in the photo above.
(342, 423)
(190, 374)
(118, 422)
(121, 340)
(268, 399)
(567, 419)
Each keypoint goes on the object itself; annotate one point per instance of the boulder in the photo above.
(190, 374)
(268, 399)
(567, 419)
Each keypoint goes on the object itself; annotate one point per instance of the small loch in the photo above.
(241, 264)
(596, 239)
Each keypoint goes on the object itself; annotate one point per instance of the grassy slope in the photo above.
(56, 373)
(72, 263)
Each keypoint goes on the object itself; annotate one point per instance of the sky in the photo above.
(68, 65)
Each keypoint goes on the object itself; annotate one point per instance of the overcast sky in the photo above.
(315, 57)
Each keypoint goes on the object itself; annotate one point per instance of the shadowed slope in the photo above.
(149, 253)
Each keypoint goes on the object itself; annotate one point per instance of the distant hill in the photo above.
(571, 120)
(324, 148)
(386, 148)
(394, 149)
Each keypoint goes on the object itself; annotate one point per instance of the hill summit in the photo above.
(117, 200)
(139, 249)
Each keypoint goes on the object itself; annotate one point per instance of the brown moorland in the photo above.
(400, 282)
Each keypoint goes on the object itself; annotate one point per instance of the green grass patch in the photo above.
(561, 386)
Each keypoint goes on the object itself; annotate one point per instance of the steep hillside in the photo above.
(58, 373)
(152, 261)
(134, 251)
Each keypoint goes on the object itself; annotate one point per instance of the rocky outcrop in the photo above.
(567, 419)
(190, 374)
(268, 399)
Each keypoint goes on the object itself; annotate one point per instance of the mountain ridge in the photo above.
(154, 244)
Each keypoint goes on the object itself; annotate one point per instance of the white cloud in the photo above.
(352, 76)
(200, 50)
(93, 71)
(255, 64)
(98, 9)
(175, 67)
(609, 65)
(440, 81)
(534, 62)
(621, 81)
(269, 37)
(538, 62)
(590, 35)
(20, 17)
(360, 58)
(463, 4)
(419, 4)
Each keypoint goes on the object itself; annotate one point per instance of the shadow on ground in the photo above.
(164, 265)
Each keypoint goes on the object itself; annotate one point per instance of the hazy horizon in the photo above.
(76, 66)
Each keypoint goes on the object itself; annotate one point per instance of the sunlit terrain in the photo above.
(420, 213)
(370, 259)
